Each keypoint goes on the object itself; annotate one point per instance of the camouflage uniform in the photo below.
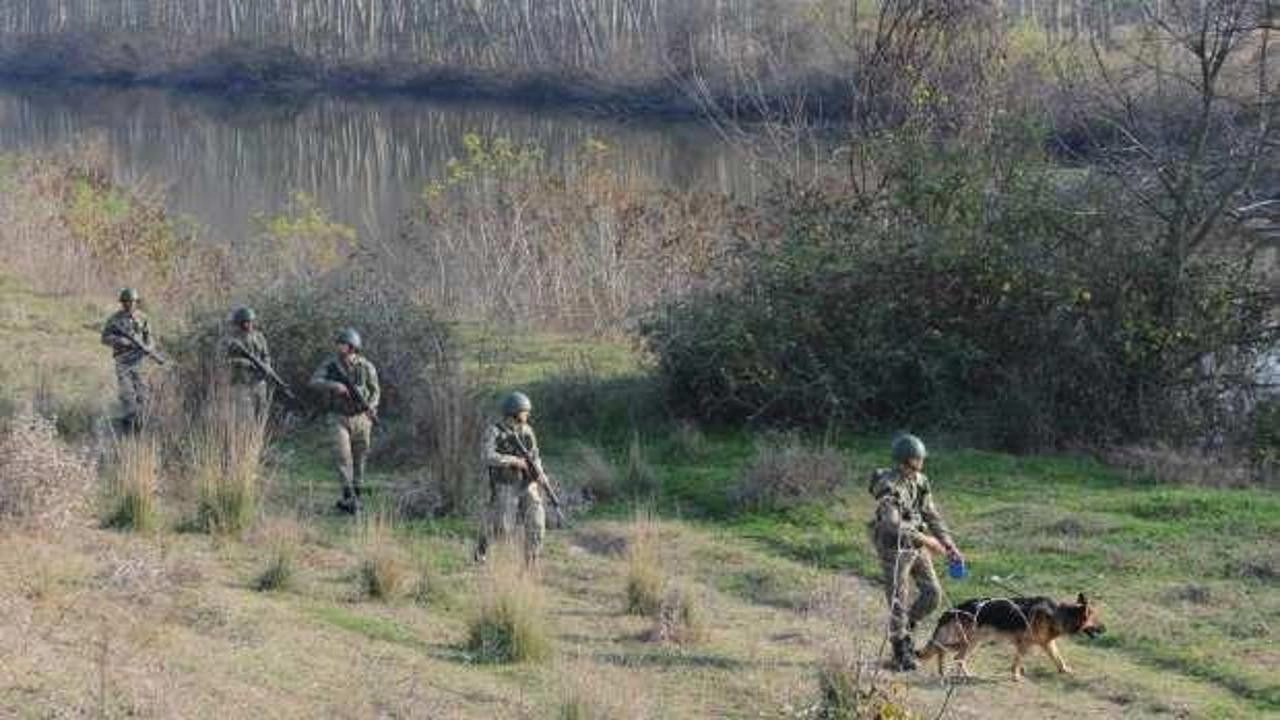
(513, 498)
(131, 387)
(904, 514)
(352, 427)
(248, 384)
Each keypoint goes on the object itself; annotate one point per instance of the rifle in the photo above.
(361, 400)
(537, 475)
(137, 343)
(262, 367)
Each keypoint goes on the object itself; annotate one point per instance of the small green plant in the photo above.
(129, 501)
(510, 622)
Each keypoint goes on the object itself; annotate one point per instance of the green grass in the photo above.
(374, 628)
(1186, 576)
(1054, 526)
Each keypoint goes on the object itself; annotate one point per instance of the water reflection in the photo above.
(221, 161)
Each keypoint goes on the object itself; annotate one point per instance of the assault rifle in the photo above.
(137, 343)
(357, 395)
(261, 366)
(536, 475)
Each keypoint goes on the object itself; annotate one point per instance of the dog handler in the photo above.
(906, 531)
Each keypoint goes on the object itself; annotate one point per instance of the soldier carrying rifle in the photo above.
(128, 334)
(249, 357)
(517, 482)
(351, 391)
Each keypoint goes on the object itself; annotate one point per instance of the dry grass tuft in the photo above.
(1184, 467)
(42, 482)
(788, 474)
(851, 686)
(282, 539)
(384, 571)
(129, 498)
(681, 618)
(642, 480)
(224, 454)
(590, 692)
(645, 580)
(598, 477)
(510, 622)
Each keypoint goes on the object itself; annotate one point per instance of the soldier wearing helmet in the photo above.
(349, 383)
(248, 382)
(907, 530)
(122, 333)
(510, 452)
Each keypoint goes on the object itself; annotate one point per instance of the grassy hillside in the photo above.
(169, 624)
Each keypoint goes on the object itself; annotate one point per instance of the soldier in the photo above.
(350, 385)
(248, 382)
(510, 452)
(128, 334)
(907, 528)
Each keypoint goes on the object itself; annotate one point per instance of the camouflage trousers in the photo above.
(901, 568)
(351, 436)
(131, 389)
(250, 399)
(511, 506)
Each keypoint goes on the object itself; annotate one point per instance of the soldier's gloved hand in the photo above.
(520, 464)
(954, 554)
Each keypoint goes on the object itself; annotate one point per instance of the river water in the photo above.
(222, 161)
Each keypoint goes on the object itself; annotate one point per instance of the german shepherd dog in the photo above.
(1023, 621)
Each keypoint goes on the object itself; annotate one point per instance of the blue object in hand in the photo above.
(957, 570)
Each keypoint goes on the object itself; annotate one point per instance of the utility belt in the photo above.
(503, 476)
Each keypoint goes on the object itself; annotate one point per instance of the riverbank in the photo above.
(271, 70)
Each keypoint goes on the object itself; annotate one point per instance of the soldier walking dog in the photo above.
(906, 529)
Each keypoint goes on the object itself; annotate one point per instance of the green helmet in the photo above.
(907, 446)
(243, 315)
(350, 337)
(516, 402)
(128, 295)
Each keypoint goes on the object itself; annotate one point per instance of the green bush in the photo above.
(964, 297)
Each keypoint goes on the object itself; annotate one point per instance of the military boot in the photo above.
(349, 503)
(904, 655)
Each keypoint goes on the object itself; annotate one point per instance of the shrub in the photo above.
(42, 482)
(978, 310)
(133, 476)
(787, 474)
(1265, 445)
(509, 623)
